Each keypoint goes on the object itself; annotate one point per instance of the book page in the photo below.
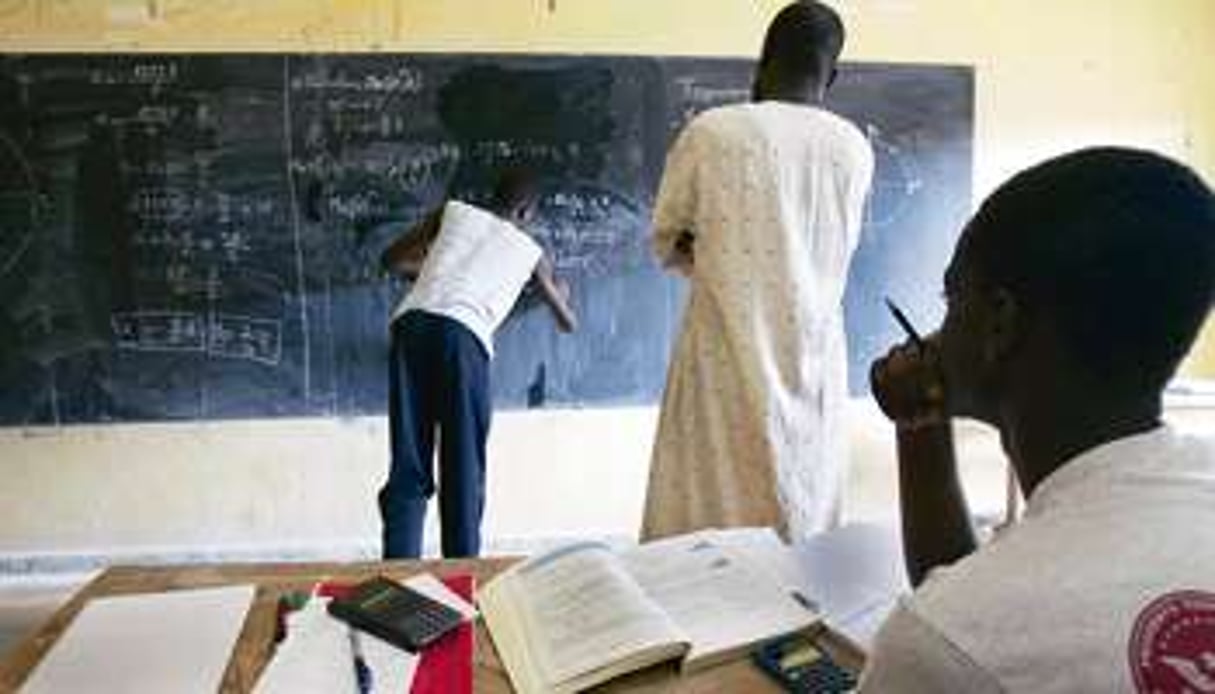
(580, 613)
(762, 549)
(713, 596)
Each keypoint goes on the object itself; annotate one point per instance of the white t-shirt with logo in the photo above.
(474, 271)
(1106, 585)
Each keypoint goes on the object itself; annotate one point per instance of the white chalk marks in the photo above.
(896, 180)
(218, 335)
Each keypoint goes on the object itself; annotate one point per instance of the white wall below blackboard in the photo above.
(299, 488)
(81, 496)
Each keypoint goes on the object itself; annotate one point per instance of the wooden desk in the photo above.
(254, 645)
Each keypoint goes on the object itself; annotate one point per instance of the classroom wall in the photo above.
(1082, 71)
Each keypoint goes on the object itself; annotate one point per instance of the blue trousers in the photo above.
(438, 376)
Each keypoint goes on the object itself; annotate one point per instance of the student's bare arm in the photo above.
(404, 257)
(936, 519)
(555, 294)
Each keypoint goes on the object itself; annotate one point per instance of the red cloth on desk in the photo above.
(445, 667)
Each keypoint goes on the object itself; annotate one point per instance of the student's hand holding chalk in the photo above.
(908, 384)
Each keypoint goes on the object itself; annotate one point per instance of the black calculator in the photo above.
(396, 613)
(802, 667)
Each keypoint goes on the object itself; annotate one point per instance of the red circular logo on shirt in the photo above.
(1172, 646)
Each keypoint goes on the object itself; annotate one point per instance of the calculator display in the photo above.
(802, 667)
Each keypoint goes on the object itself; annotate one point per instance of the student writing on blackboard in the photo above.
(469, 265)
(760, 207)
(1073, 294)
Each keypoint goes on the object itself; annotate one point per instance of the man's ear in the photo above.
(760, 79)
(1005, 326)
(523, 212)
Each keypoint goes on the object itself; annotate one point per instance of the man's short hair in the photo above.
(1115, 246)
(515, 187)
(805, 38)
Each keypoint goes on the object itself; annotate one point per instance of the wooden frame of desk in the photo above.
(255, 644)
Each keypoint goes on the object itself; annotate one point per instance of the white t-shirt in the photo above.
(474, 270)
(1106, 585)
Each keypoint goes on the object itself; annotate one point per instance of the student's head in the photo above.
(800, 52)
(515, 194)
(1094, 270)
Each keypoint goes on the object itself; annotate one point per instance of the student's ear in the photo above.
(1005, 327)
(759, 80)
(525, 212)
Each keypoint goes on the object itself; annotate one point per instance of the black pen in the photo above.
(362, 672)
(905, 324)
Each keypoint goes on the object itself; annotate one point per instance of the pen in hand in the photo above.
(905, 324)
(362, 672)
(935, 391)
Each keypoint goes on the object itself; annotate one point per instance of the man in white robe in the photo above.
(761, 207)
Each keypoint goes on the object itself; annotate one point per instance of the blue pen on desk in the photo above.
(905, 324)
(362, 673)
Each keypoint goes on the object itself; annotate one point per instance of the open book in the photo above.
(583, 614)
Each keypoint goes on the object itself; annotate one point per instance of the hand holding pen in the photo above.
(907, 382)
(905, 324)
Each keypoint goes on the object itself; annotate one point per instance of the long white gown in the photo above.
(752, 428)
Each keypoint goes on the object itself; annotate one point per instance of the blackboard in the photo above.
(195, 236)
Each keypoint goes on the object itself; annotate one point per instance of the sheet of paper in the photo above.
(854, 575)
(432, 587)
(316, 655)
(178, 641)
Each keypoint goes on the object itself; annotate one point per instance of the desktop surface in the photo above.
(254, 646)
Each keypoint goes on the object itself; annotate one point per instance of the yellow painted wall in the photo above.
(1051, 76)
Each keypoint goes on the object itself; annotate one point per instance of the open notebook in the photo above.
(583, 614)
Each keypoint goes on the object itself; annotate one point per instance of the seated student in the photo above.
(1072, 295)
(470, 265)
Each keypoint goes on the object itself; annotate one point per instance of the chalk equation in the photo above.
(896, 179)
(591, 229)
(217, 335)
(401, 79)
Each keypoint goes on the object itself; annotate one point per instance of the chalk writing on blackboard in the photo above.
(196, 236)
(896, 180)
(220, 335)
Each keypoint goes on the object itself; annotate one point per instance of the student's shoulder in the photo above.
(455, 206)
(975, 591)
(911, 654)
(458, 212)
(847, 135)
(718, 119)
